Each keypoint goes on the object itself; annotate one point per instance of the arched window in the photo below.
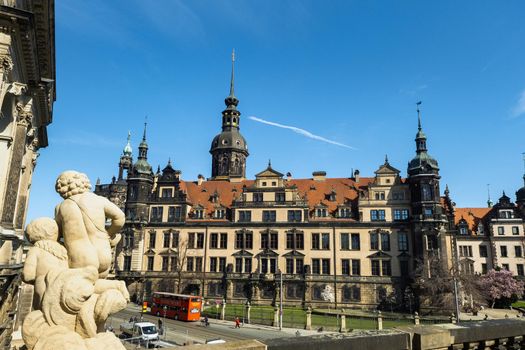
(426, 192)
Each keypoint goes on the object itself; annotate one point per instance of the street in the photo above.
(180, 332)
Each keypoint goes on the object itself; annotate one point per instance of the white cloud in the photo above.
(300, 132)
(519, 109)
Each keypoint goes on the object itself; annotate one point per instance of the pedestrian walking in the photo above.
(237, 322)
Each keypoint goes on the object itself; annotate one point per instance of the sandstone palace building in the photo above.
(233, 238)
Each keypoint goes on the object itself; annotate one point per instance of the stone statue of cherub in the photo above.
(72, 297)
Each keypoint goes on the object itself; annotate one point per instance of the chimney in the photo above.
(200, 179)
(319, 175)
(356, 175)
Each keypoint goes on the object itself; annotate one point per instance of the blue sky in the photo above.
(347, 71)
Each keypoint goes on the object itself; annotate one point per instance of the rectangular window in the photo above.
(165, 263)
(167, 237)
(238, 265)
(214, 241)
(483, 269)
(257, 197)
(295, 215)
(152, 240)
(127, 263)
(385, 241)
(377, 215)
(503, 250)
(248, 240)
(245, 216)
(247, 265)
(374, 241)
(356, 241)
(375, 268)
(397, 214)
(316, 266)
(200, 240)
(315, 241)
(280, 197)
(326, 266)
(264, 265)
(239, 241)
(273, 265)
(213, 264)
(268, 215)
(325, 241)
(345, 241)
(515, 230)
(174, 214)
(517, 251)
(465, 250)
(189, 264)
(404, 214)
(501, 230)
(299, 241)
(483, 252)
(386, 269)
(222, 264)
(289, 266)
(345, 266)
(166, 193)
(174, 263)
(156, 214)
(198, 264)
(356, 267)
(402, 241)
(519, 269)
(191, 240)
(150, 263)
(299, 266)
(505, 267)
(321, 212)
(224, 241)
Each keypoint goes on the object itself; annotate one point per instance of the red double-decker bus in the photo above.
(176, 306)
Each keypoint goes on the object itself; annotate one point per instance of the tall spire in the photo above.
(143, 147)
(418, 115)
(233, 74)
(145, 126)
(489, 201)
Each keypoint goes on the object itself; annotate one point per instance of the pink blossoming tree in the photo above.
(500, 284)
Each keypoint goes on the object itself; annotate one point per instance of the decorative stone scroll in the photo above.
(73, 298)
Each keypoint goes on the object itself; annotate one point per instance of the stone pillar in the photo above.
(15, 168)
(343, 322)
(223, 309)
(248, 310)
(416, 318)
(308, 325)
(275, 317)
(379, 320)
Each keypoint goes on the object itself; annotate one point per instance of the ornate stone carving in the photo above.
(72, 297)
(17, 88)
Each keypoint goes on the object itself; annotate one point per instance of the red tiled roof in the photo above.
(471, 215)
(315, 191)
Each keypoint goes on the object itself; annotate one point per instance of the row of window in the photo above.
(466, 251)
(350, 267)
(396, 195)
(468, 268)
(398, 215)
(294, 240)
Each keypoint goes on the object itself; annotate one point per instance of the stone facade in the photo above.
(234, 238)
(27, 93)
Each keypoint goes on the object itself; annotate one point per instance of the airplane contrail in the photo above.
(301, 132)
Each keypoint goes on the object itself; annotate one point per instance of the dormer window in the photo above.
(199, 214)
(481, 229)
(219, 213)
(345, 212)
(167, 193)
(380, 196)
(463, 227)
(332, 196)
(505, 214)
(321, 212)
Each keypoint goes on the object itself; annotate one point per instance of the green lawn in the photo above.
(519, 303)
(296, 318)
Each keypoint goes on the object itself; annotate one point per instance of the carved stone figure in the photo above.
(72, 297)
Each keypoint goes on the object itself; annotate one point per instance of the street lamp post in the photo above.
(164, 328)
(281, 301)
